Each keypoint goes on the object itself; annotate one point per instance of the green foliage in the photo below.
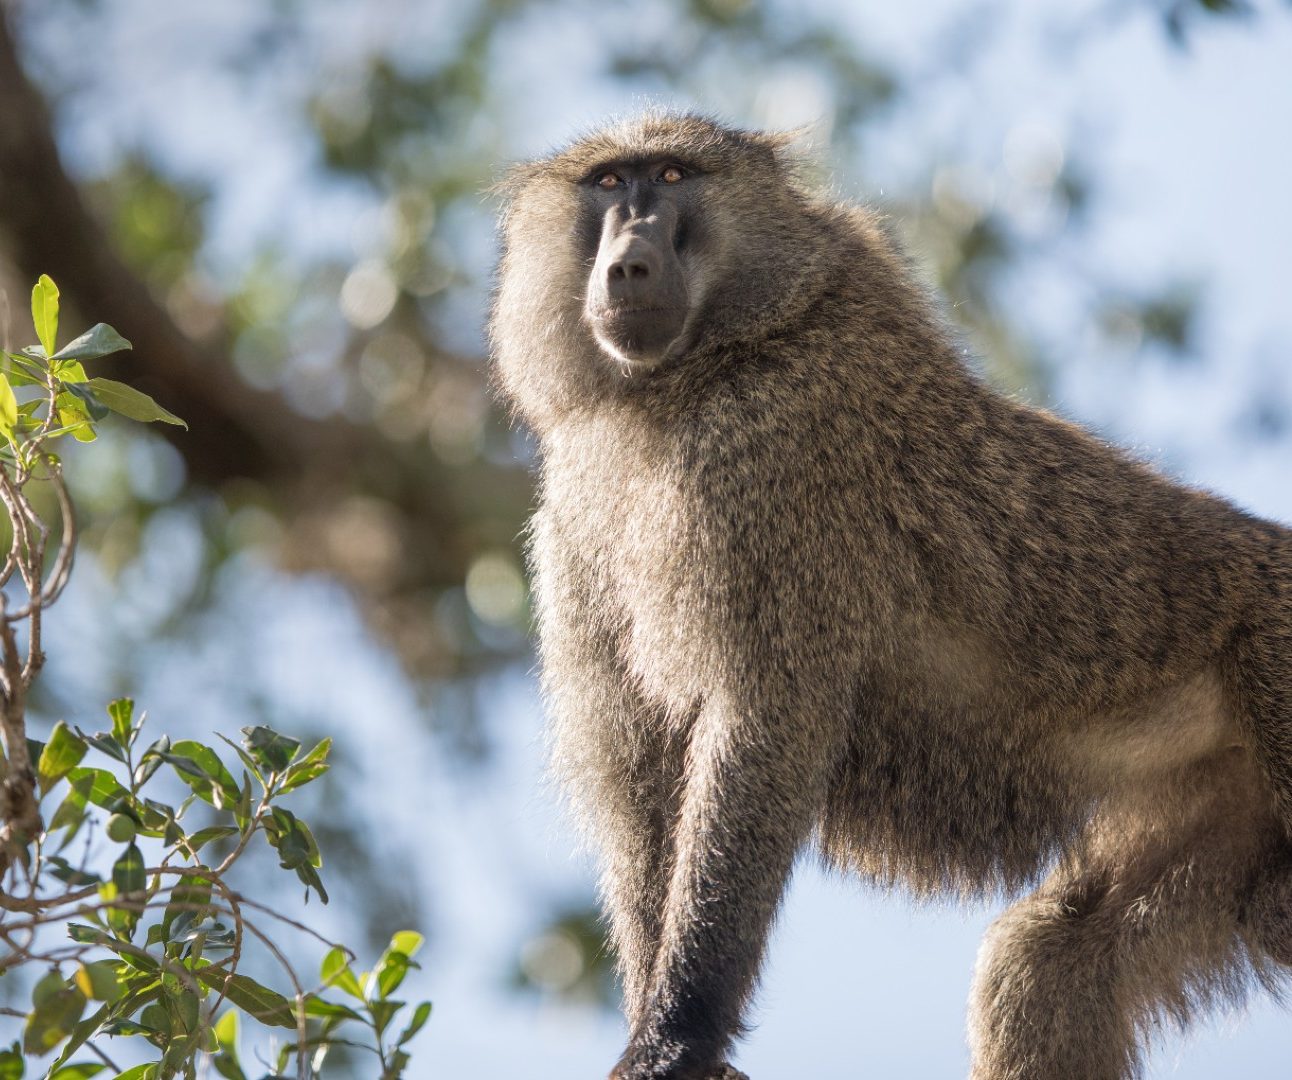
(151, 952)
(65, 401)
(156, 947)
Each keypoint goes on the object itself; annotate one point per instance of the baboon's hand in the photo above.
(727, 1072)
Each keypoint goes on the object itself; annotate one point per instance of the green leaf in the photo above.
(131, 403)
(203, 837)
(382, 1013)
(100, 980)
(47, 986)
(335, 971)
(396, 961)
(87, 935)
(104, 744)
(52, 1021)
(82, 1032)
(138, 1072)
(8, 408)
(98, 341)
(69, 373)
(201, 768)
(259, 1002)
(296, 848)
(271, 751)
(390, 972)
(81, 1070)
(151, 761)
(246, 758)
(189, 901)
(420, 1015)
(71, 875)
(227, 1067)
(19, 377)
(128, 871)
(11, 1067)
(44, 312)
(406, 942)
(97, 786)
(122, 712)
(330, 1010)
(64, 750)
(226, 1032)
(310, 767)
(70, 815)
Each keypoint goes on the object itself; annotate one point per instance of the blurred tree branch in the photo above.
(307, 467)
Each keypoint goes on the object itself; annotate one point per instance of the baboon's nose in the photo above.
(632, 270)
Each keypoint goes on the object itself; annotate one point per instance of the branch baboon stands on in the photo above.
(801, 575)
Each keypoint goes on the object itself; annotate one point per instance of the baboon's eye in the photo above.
(671, 175)
(608, 180)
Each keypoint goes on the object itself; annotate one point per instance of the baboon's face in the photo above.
(637, 229)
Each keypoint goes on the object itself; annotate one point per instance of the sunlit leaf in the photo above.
(138, 1072)
(335, 971)
(226, 1032)
(261, 1003)
(202, 837)
(131, 403)
(44, 312)
(70, 372)
(151, 760)
(82, 1070)
(407, 942)
(390, 972)
(100, 980)
(310, 767)
(64, 750)
(8, 409)
(97, 786)
(122, 712)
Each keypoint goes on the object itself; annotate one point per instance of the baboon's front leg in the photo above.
(754, 776)
(614, 751)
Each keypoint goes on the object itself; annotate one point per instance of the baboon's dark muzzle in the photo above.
(637, 295)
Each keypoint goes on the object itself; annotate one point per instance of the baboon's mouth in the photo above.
(638, 334)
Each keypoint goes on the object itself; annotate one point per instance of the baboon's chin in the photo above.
(639, 340)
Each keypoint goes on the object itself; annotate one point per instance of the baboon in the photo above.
(802, 577)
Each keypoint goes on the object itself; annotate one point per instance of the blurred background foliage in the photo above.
(299, 245)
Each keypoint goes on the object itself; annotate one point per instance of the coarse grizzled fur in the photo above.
(814, 581)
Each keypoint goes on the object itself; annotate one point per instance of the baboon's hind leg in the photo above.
(1260, 677)
(1146, 920)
